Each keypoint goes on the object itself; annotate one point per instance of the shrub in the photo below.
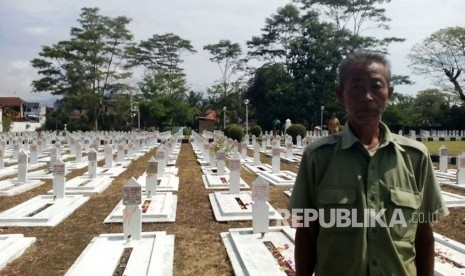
(7, 124)
(256, 130)
(296, 129)
(234, 132)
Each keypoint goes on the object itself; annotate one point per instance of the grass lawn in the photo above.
(453, 147)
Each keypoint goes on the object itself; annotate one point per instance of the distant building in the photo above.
(13, 108)
(35, 111)
(207, 122)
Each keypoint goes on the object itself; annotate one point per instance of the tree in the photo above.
(275, 42)
(272, 95)
(442, 56)
(431, 107)
(355, 16)
(398, 114)
(160, 52)
(89, 64)
(228, 57)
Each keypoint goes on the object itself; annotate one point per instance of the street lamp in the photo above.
(246, 102)
(321, 121)
(224, 117)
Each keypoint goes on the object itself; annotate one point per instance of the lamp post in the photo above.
(246, 102)
(224, 117)
(321, 120)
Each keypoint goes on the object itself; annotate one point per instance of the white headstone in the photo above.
(299, 141)
(92, 166)
(53, 156)
(206, 148)
(260, 209)
(243, 150)
(160, 156)
(443, 159)
(78, 152)
(220, 162)
(461, 169)
(235, 175)
(22, 166)
(151, 179)
(15, 150)
(289, 152)
(212, 158)
(276, 160)
(132, 214)
(130, 150)
(108, 156)
(33, 153)
(256, 154)
(246, 139)
(121, 152)
(58, 170)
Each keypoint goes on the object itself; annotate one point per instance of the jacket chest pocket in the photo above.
(335, 208)
(403, 213)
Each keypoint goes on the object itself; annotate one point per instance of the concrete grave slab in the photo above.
(11, 187)
(450, 256)
(12, 170)
(42, 210)
(12, 246)
(256, 169)
(254, 255)
(220, 182)
(233, 207)
(213, 170)
(166, 183)
(160, 207)
(151, 255)
(453, 200)
(283, 178)
(114, 171)
(86, 186)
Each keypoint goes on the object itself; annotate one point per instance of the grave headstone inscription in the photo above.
(132, 213)
(151, 178)
(92, 166)
(58, 170)
(235, 175)
(260, 209)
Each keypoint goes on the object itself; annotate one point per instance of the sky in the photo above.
(27, 25)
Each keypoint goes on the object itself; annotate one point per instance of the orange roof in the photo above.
(11, 101)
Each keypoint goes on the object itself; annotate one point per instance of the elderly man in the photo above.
(378, 187)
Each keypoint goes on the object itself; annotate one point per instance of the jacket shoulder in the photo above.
(410, 143)
(325, 141)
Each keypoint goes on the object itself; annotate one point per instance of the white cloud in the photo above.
(20, 64)
(37, 31)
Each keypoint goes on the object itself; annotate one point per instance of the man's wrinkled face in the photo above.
(366, 93)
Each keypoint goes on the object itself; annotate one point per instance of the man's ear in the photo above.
(340, 95)
(390, 92)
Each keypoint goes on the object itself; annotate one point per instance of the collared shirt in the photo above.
(368, 206)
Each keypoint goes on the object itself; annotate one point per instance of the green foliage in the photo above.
(89, 64)
(228, 57)
(234, 132)
(255, 130)
(442, 56)
(296, 129)
(6, 124)
(160, 52)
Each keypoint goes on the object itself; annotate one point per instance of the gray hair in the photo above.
(363, 56)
